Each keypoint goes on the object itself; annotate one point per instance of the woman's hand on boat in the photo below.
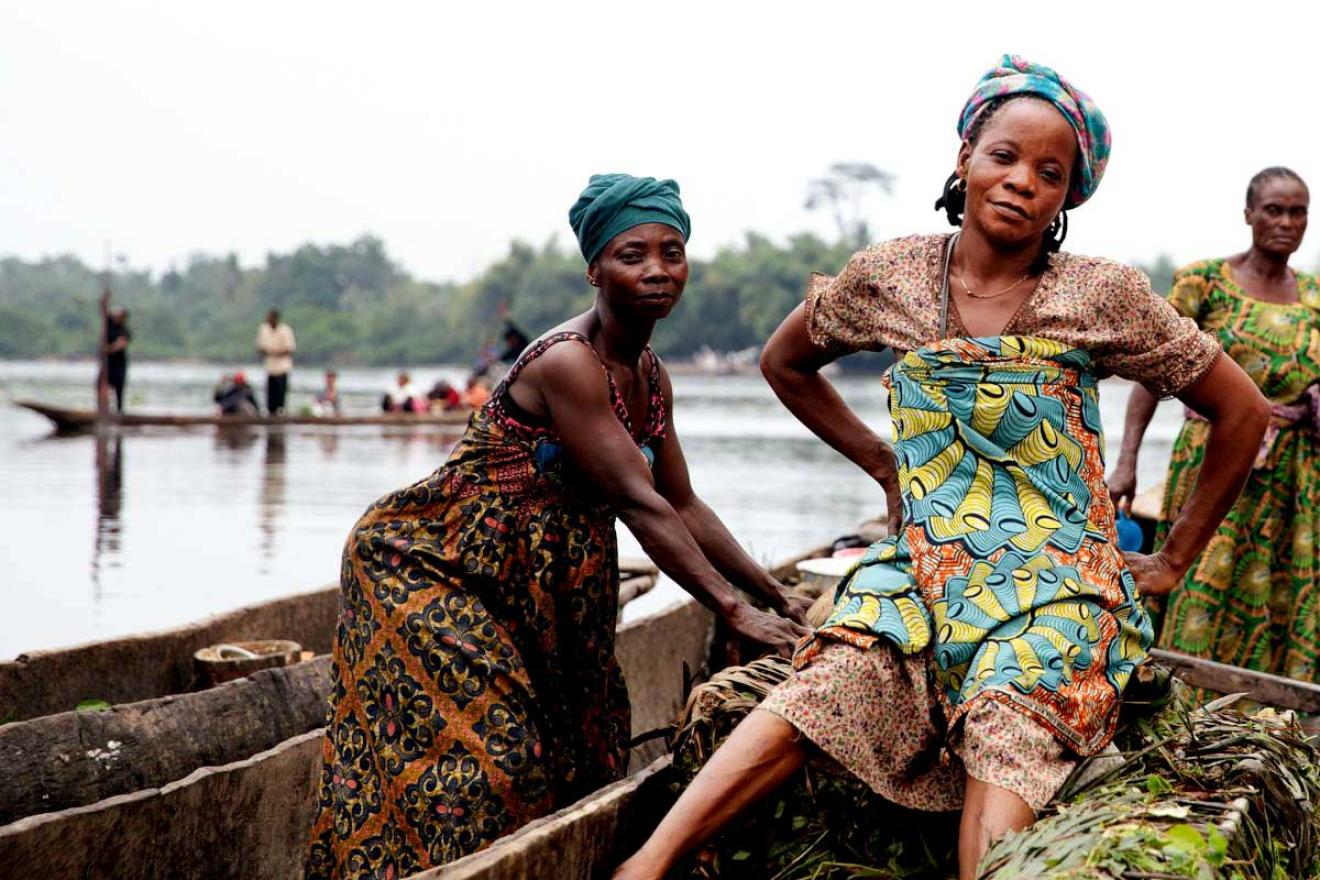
(780, 634)
(1155, 574)
(795, 606)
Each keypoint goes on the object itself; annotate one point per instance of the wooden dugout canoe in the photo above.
(249, 817)
(155, 664)
(73, 421)
(66, 759)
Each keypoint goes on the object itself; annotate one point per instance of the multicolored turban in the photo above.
(614, 203)
(1016, 75)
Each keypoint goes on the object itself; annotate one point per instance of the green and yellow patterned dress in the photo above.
(1250, 600)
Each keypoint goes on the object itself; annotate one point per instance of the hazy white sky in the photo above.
(450, 128)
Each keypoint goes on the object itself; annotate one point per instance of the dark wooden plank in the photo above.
(1274, 690)
(579, 842)
(72, 759)
(154, 664)
(247, 820)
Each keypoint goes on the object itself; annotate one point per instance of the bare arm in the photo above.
(1238, 416)
(1123, 481)
(569, 382)
(712, 536)
(791, 363)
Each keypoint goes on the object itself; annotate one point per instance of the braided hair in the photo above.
(953, 201)
(1274, 172)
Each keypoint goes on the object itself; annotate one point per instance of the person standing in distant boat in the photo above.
(117, 338)
(276, 344)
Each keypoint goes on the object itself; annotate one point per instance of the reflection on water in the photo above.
(109, 501)
(191, 522)
(271, 501)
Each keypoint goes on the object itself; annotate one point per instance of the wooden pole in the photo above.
(103, 374)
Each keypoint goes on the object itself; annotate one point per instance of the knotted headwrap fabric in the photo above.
(1016, 75)
(613, 203)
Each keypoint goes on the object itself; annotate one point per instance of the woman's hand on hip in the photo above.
(885, 472)
(779, 634)
(1154, 574)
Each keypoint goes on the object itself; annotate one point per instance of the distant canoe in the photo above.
(72, 421)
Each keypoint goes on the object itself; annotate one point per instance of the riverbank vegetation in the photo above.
(353, 304)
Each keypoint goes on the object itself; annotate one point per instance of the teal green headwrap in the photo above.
(614, 203)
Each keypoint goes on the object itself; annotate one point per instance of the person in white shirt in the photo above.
(275, 342)
(401, 396)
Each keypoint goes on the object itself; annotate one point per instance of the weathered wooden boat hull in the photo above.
(249, 818)
(71, 421)
(240, 820)
(154, 664)
(72, 759)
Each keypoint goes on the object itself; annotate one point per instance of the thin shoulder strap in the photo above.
(538, 348)
(944, 286)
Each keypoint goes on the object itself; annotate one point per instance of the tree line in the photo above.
(353, 304)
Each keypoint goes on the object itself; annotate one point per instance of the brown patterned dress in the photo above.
(474, 681)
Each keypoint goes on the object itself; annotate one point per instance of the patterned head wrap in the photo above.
(1016, 75)
(614, 203)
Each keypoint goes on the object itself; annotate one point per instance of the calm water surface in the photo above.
(150, 528)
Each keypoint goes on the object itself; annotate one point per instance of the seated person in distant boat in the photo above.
(326, 402)
(477, 393)
(402, 397)
(234, 396)
(443, 397)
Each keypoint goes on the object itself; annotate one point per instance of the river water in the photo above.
(150, 528)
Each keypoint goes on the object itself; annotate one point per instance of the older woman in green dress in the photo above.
(1251, 600)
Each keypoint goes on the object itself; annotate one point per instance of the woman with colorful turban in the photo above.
(974, 655)
(474, 681)
(1250, 599)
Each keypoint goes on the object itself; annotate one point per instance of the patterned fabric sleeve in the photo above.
(1188, 293)
(1150, 341)
(838, 317)
(878, 301)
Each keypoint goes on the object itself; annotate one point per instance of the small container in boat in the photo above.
(225, 662)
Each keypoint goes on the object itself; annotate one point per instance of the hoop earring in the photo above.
(1059, 228)
(961, 185)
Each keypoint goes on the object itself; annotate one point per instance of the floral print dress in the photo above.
(1251, 598)
(475, 686)
(993, 636)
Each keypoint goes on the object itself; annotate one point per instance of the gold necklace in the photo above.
(969, 292)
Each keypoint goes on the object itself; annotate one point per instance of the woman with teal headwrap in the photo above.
(975, 654)
(475, 686)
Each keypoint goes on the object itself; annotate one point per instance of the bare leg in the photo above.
(762, 752)
(989, 812)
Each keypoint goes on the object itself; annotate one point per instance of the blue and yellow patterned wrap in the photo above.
(1007, 567)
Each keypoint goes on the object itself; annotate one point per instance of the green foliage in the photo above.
(352, 304)
(1160, 273)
